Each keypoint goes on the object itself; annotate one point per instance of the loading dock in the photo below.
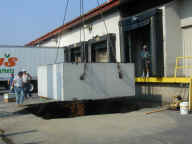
(77, 52)
(139, 30)
(102, 49)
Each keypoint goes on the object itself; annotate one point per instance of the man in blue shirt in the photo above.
(145, 56)
(18, 84)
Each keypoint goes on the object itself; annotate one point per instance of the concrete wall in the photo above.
(100, 81)
(49, 43)
(185, 12)
(177, 22)
(98, 29)
(186, 24)
(161, 93)
(172, 36)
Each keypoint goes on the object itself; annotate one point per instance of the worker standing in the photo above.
(26, 82)
(145, 56)
(10, 83)
(18, 85)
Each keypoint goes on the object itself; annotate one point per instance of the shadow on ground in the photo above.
(5, 114)
(21, 133)
(7, 140)
(68, 109)
(34, 143)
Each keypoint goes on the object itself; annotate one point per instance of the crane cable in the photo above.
(82, 27)
(82, 77)
(59, 36)
(107, 31)
(110, 43)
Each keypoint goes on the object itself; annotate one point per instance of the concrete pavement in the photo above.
(167, 127)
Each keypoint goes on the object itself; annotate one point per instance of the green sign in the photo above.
(6, 70)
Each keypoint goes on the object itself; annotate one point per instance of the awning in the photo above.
(140, 20)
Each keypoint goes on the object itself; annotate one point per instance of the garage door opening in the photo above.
(143, 30)
(136, 39)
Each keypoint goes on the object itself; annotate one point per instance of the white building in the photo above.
(163, 25)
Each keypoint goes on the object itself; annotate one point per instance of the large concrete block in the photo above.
(100, 81)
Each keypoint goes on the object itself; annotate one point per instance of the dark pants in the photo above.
(26, 90)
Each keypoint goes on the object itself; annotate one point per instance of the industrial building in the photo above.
(116, 31)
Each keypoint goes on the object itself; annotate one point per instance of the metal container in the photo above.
(15, 59)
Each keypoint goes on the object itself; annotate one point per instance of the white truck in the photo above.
(14, 59)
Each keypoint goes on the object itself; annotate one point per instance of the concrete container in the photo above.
(57, 82)
(100, 81)
(45, 81)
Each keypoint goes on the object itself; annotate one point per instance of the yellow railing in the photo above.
(175, 79)
(177, 66)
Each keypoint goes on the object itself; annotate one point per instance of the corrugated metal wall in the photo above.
(187, 50)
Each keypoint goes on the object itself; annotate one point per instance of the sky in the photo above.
(22, 21)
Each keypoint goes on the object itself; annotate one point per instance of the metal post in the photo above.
(122, 44)
(190, 94)
(175, 75)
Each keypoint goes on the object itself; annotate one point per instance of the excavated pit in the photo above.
(68, 109)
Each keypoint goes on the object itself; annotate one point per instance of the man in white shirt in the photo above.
(18, 84)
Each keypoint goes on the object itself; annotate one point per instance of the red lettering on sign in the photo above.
(11, 62)
(1, 61)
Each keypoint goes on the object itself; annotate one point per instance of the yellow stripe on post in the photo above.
(190, 95)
